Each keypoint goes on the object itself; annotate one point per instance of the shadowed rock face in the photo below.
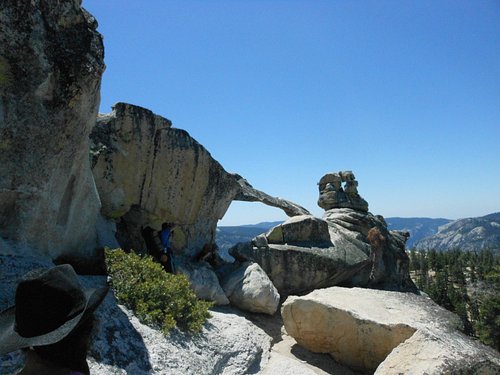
(148, 172)
(389, 263)
(51, 61)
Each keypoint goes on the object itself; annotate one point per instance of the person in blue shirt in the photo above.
(167, 257)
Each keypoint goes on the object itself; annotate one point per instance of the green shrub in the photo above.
(158, 298)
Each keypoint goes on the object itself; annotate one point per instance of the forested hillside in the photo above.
(467, 283)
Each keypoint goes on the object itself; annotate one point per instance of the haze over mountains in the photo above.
(442, 234)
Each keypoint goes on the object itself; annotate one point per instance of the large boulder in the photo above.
(300, 230)
(51, 62)
(298, 270)
(202, 279)
(248, 287)
(361, 328)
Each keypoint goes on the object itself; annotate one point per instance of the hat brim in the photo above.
(10, 340)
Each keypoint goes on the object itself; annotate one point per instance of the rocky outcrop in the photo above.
(202, 279)
(247, 193)
(306, 253)
(297, 267)
(388, 266)
(228, 344)
(340, 190)
(386, 332)
(148, 172)
(249, 288)
(300, 230)
(51, 61)
(465, 234)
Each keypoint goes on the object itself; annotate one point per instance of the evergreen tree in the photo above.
(488, 325)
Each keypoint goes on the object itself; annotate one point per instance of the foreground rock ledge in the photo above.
(385, 332)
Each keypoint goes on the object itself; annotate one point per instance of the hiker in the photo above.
(153, 248)
(51, 321)
(166, 258)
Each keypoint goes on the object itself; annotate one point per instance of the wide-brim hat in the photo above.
(49, 305)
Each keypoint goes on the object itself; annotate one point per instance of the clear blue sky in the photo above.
(404, 93)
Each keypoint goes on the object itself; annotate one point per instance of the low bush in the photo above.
(158, 298)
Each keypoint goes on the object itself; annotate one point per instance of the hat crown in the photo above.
(46, 299)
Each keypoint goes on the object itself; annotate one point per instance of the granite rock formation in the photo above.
(385, 332)
(306, 253)
(202, 279)
(51, 62)
(228, 344)
(148, 172)
(247, 193)
(340, 190)
(300, 230)
(249, 288)
(465, 234)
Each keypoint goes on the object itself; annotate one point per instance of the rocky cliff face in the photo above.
(148, 172)
(466, 234)
(51, 61)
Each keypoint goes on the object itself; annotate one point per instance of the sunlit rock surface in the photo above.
(386, 332)
(51, 62)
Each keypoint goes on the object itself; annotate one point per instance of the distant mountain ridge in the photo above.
(418, 227)
(425, 233)
(468, 234)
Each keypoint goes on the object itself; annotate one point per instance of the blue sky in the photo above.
(404, 93)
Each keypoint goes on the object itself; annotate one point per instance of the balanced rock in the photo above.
(390, 332)
(340, 190)
(249, 288)
(51, 62)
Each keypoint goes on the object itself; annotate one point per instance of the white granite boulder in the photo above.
(249, 288)
(203, 280)
(387, 332)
